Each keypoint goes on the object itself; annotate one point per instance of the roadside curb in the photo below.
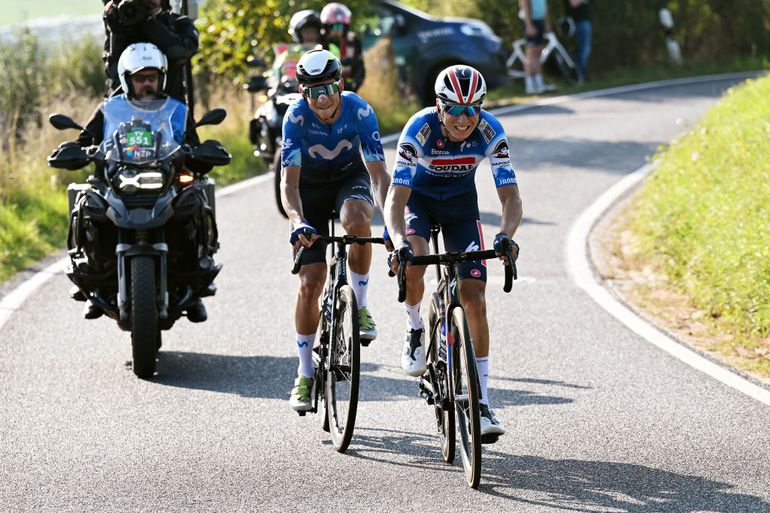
(583, 274)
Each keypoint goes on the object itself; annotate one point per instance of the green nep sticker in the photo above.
(142, 138)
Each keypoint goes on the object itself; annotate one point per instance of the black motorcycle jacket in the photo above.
(175, 35)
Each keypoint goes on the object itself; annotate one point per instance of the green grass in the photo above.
(703, 218)
(15, 11)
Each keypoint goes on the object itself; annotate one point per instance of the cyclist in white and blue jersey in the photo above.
(325, 134)
(433, 183)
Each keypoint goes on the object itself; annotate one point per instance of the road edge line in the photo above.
(582, 273)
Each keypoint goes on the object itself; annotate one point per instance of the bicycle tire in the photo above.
(437, 370)
(466, 389)
(568, 72)
(344, 368)
(319, 360)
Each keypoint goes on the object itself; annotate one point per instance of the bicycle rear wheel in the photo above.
(437, 371)
(466, 395)
(344, 367)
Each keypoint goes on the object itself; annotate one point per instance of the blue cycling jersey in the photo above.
(433, 165)
(321, 148)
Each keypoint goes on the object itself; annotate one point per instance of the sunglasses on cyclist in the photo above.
(337, 27)
(314, 92)
(457, 110)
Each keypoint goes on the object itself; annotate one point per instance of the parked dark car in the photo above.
(424, 45)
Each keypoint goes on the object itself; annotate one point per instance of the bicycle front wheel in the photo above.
(343, 370)
(437, 371)
(466, 396)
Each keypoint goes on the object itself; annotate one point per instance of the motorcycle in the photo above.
(142, 234)
(265, 128)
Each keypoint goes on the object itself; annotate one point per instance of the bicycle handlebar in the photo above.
(453, 257)
(344, 239)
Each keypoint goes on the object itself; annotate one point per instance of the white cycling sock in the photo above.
(528, 84)
(305, 351)
(360, 284)
(413, 314)
(482, 366)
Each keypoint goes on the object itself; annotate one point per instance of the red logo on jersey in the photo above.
(440, 143)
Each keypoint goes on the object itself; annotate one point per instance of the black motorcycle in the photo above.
(142, 231)
(266, 127)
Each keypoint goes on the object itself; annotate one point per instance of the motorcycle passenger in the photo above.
(324, 135)
(336, 18)
(153, 22)
(142, 72)
(439, 151)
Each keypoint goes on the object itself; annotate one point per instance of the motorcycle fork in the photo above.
(142, 246)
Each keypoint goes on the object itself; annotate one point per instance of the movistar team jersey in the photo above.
(321, 149)
(433, 165)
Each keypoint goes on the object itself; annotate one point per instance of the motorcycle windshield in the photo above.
(139, 132)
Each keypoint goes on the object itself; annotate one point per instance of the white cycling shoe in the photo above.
(413, 355)
(490, 426)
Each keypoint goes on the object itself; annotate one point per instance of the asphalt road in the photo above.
(598, 420)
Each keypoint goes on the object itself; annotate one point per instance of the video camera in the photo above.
(132, 12)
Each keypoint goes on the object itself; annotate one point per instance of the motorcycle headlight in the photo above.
(131, 181)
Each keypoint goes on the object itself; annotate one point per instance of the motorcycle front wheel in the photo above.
(145, 334)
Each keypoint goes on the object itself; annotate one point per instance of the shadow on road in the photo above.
(562, 484)
(271, 377)
(577, 485)
(248, 376)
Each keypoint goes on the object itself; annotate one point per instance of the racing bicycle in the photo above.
(337, 357)
(450, 382)
(553, 49)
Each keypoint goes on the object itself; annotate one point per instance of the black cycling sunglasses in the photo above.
(314, 92)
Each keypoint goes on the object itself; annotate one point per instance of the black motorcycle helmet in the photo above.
(302, 19)
(318, 66)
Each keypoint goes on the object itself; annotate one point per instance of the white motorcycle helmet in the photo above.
(137, 57)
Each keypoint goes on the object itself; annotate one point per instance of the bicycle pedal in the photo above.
(301, 413)
(489, 439)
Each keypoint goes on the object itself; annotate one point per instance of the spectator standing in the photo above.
(579, 11)
(534, 15)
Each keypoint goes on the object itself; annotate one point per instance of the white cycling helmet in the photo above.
(139, 56)
(460, 84)
(318, 66)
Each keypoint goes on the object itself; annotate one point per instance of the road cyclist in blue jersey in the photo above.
(325, 134)
(439, 151)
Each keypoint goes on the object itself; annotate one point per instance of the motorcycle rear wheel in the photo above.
(145, 334)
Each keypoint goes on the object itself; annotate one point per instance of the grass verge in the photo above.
(696, 237)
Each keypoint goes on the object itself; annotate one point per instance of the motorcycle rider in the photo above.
(152, 22)
(336, 18)
(142, 72)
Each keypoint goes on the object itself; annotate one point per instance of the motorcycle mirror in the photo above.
(212, 117)
(255, 84)
(62, 122)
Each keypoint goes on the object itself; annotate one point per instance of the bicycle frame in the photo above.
(518, 55)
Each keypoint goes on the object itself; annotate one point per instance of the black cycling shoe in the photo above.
(197, 312)
(91, 311)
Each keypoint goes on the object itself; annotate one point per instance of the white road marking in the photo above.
(582, 273)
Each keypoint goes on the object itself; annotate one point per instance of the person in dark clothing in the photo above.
(578, 10)
(175, 35)
(336, 18)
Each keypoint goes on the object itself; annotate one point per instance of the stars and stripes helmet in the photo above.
(460, 84)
